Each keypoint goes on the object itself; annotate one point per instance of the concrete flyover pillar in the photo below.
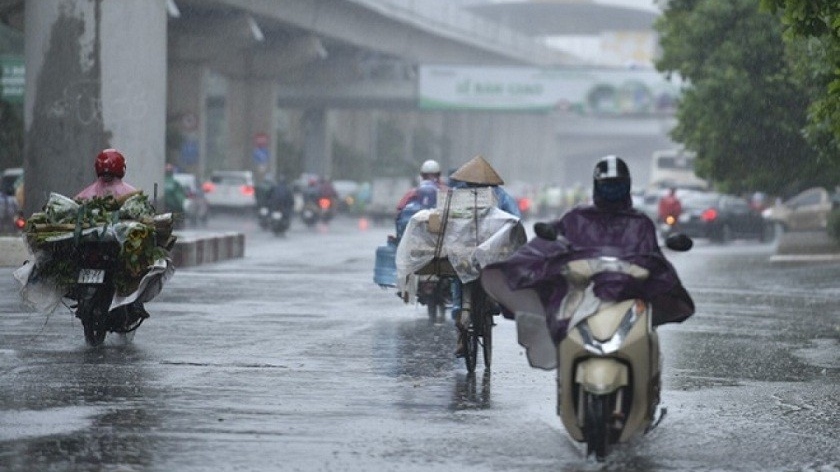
(186, 114)
(251, 115)
(317, 144)
(95, 78)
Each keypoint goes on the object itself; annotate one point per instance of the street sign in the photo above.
(189, 152)
(261, 140)
(260, 155)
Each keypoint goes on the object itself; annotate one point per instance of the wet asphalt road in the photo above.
(292, 359)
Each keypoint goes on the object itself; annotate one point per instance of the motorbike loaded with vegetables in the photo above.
(105, 251)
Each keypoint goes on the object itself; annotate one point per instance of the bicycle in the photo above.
(479, 330)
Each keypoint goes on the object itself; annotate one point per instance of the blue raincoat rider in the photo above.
(423, 197)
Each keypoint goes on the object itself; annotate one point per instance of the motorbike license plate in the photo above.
(91, 276)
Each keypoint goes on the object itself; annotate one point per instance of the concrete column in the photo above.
(251, 115)
(186, 109)
(317, 145)
(95, 78)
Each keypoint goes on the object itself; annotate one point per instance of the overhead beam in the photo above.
(366, 94)
(388, 29)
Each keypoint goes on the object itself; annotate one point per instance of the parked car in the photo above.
(722, 218)
(196, 206)
(807, 211)
(230, 189)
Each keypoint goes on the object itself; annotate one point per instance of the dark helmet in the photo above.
(110, 161)
(611, 181)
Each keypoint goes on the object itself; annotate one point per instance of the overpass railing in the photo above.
(448, 18)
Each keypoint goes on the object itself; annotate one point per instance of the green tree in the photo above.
(812, 31)
(743, 109)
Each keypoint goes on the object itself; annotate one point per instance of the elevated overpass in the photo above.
(155, 66)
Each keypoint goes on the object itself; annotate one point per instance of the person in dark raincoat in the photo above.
(608, 227)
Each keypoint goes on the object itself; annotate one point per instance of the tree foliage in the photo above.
(813, 33)
(744, 107)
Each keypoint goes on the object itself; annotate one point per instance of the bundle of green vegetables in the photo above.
(54, 234)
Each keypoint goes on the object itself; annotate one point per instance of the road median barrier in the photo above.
(191, 248)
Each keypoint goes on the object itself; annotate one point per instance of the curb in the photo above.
(198, 250)
(190, 250)
(805, 258)
(806, 246)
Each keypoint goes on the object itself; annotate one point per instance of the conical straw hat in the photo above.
(477, 171)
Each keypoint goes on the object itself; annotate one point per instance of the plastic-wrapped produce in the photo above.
(54, 235)
(462, 235)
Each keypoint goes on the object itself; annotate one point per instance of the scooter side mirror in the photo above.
(679, 242)
(545, 231)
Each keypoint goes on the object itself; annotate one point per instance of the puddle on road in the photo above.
(18, 424)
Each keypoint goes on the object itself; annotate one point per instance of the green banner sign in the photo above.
(585, 90)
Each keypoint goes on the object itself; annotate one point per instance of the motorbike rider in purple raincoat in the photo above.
(609, 227)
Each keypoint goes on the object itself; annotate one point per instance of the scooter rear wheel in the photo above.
(93, 322)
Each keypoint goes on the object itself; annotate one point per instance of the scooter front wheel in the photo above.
(596, 428)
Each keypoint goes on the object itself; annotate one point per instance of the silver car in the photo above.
(807, 211)
(230, 189)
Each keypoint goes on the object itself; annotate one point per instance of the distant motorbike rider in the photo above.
(174, 195)
(110, 170)
(429, 172)
(669, 205)
(476, 173)
(423, 197)
(280, 196)
(263, 189)
(318, 188)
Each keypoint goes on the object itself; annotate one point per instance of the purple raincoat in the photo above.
(590, 232)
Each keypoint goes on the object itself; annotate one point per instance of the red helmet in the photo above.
(110, 161)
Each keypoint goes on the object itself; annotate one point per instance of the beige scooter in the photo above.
(609, 364)
(611, 359)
